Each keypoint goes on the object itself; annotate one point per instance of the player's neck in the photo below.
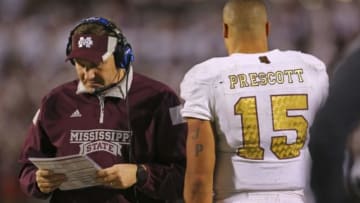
(249, 47)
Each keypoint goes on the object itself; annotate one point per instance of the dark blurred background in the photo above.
(168, 37)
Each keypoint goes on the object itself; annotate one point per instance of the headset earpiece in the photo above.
(128, 55)
(123, 56)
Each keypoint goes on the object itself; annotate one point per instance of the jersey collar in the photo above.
(255, 54)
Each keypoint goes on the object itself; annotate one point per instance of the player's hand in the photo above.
(47, 181)
(119, 176)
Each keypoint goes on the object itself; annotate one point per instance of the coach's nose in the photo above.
(89, 73)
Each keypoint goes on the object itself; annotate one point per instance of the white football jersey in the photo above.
(262, 106)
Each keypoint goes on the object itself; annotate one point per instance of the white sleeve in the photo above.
(196, 93)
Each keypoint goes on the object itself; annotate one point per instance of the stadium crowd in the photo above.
(168, 37)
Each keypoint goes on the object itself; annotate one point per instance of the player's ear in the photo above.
(225, 30)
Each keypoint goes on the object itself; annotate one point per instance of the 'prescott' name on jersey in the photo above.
(266, 78)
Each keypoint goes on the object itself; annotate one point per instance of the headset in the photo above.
(123, 54)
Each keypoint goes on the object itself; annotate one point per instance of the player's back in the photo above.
(262, 106)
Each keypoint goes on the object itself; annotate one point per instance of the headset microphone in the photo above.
(106, 87)
(101, 89)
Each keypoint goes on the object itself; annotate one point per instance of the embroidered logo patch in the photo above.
(76, 114)
(175, 115)
(95, 140)
(85, 42)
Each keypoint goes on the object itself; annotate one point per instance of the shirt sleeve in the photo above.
(196, 93)
(166, 174)
(35, 145)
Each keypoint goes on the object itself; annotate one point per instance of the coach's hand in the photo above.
(120, 176)
(47, 181)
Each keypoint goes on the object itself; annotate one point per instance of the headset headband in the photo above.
(104, 22)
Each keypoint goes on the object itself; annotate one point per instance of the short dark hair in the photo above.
(94, 28)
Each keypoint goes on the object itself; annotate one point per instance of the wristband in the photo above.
(141, 175)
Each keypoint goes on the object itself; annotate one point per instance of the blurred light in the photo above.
(278, 1)
(345, 1)
(312, 4)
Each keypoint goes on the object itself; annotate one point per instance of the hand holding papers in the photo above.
(80, 170)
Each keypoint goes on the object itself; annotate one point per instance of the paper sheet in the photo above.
(80, 170)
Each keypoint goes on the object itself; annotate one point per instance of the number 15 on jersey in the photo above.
(246, 108)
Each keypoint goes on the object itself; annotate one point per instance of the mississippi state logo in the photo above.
(96, 140)
(86, 42)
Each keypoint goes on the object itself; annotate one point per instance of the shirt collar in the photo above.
(120, 90)
(258, 53)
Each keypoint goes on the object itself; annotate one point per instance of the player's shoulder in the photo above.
(307, 58)
(208, 69)
(210, 64)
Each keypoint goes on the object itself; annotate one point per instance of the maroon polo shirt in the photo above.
(70, 123)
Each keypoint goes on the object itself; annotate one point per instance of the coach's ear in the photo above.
(225, 30)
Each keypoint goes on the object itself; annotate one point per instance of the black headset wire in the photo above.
(131, 158)
(132, 138)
